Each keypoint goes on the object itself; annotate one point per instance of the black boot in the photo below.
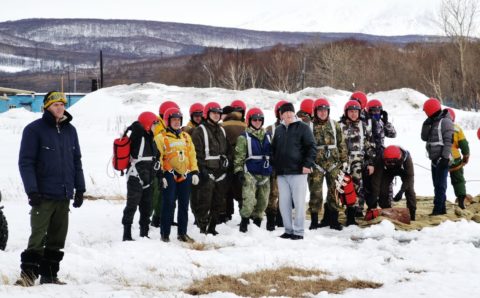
(351, 216)
(461, 202)
(270, 222)
(49, 267)
(244, 224)
(155, 221)
(412, 213)
(30, 266)
(211, 226)
(333, 217)
(257, 222)
(325, 222)
(144, 231)
(127, 233)
(279, 220)
(314, 221)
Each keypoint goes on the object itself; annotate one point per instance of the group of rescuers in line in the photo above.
(226, 154)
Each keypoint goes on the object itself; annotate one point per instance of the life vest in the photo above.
(171, 152)
(121, 152)
(258, 155)
(349, 196)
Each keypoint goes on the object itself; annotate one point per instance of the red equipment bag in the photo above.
(121, 152)
(349, 196)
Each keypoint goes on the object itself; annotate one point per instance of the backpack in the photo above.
(121, 152)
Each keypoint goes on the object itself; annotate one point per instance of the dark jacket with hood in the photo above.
(293, 147)
(438, 131)
(50, 158)
(145, 169)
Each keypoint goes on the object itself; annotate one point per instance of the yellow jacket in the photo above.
(177, 152)
(460, 143)
(159, 128)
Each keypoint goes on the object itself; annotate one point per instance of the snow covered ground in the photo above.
(434, 262)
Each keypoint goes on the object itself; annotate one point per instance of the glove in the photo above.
(164, 183)
(398, 196)
(339, 182)
(240, 177)
(465, 159)
(34, 199)
(78, 200)
(443, 162)
(195, 179)
(384, 116)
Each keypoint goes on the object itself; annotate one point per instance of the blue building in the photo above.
(33, 102)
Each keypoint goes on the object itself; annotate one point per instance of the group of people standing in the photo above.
(225, 155)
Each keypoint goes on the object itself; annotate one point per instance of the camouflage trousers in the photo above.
(315, 184)
(356, 170)
(255, 193)
(272, 206)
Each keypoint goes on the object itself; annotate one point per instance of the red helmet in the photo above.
(321, 103)
(211, 107)
(196, 108)
(360, 97)
(165, 106)
(392, 152)
(254, 113)
(374, 104)
(147, 119)
(238, 105)
(172, 113)
(452, 113)
(352, 105)
(277, 107)
(431, 106)
(306, 106)
(478, 133)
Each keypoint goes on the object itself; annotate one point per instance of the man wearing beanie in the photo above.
(51, 169)
(294, 151)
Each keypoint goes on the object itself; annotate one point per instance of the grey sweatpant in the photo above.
(292, 189)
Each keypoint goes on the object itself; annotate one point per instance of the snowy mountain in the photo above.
(426, 263)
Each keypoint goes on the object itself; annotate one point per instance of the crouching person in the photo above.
(179, 166)
(51, 169)
(395, 162)
(252, 168)
(140, 174)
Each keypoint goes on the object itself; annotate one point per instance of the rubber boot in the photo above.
(314, 221)
(270, 222)
(257, 222)
(244, 224)
(461, 202)
(211, 226)
(144, 231)
(127, 233)
(351, 216)
(333, 217)
(325, 222)
(279, 220)
(155, 221)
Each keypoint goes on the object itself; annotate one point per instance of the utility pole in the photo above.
(74, 79)
(303, 71)
(101, 69)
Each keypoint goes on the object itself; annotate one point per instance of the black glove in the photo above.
(384, 116)
(34, 199)
(443, 162)
(240, 176)
(398, 196)
(78, 200)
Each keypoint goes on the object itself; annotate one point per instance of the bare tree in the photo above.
(458, 20)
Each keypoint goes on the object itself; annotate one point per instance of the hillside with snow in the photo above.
(433, 262)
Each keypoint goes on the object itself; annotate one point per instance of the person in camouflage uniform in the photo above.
(381, 128)
(252, 168)
(331, 161)
(274, 218)
(361, 153)
(460, 155)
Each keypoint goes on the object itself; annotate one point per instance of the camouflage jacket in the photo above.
(330, 142)
(241, 148)
(380, 130)
(359, 141)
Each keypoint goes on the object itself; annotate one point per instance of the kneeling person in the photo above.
(252, 168)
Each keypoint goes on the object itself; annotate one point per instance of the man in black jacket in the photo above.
(294, 151)
(51, 169)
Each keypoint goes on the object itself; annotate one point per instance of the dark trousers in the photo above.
(384, 199)
(175, 191)
(49, 226)
(439, 178)
(137, 196)
(209, 199)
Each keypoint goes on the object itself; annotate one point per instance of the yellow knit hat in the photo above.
(53, 96)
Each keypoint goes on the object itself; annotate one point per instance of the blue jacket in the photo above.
(260, 149)
(50, 159)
